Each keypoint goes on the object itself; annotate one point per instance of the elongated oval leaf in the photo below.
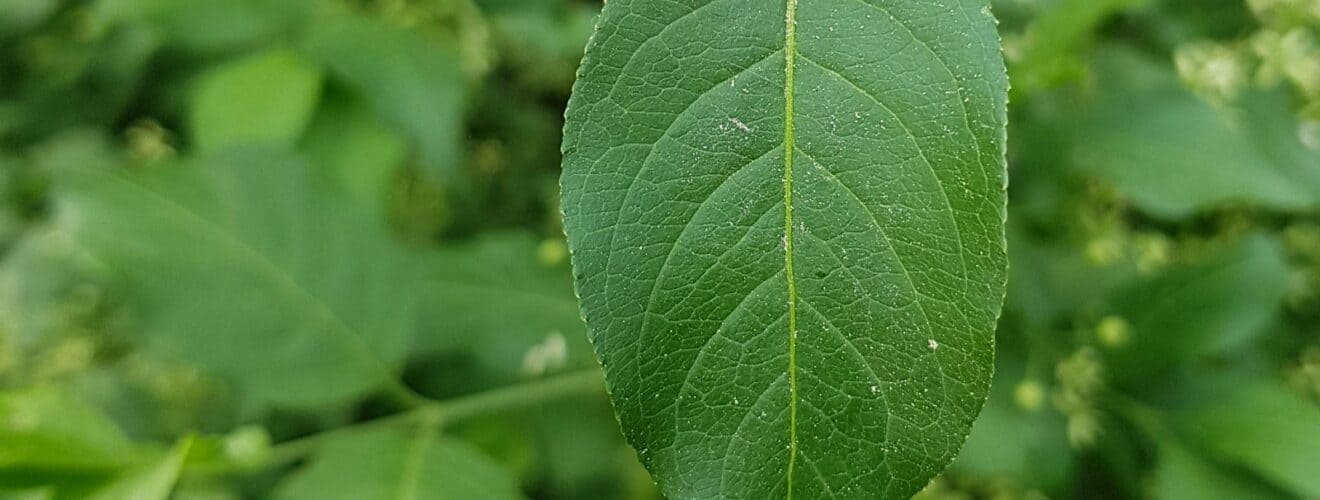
(787, 227)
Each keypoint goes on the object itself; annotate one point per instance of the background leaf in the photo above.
(395, 463)
(510, 300)
(1258, 426)
(1199, 309)
(1182, 155)
(411, 81)
(44, 429)
(237, 104)
(273, 267)
(154, 481)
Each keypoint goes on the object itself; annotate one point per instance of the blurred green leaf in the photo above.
(264, 99)
(508, 299)
(1008, 442)
(415, 83)
(44, 428)
(1172, 154)
(1199, 308)
(18, 15)
(358, 150)
(541, 41)
(1260, 426)
(395, 463)
(213, 26)
(1182, 475)
(152, 481)
(1048, 51)
(1048, 280)
(579, 464)
(248, 265)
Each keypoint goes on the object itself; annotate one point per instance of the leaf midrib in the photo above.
(790, 53)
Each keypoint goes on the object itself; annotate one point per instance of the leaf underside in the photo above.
(787, 227)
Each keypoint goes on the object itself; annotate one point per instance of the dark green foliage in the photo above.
(305, 248)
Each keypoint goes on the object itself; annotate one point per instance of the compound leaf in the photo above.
(787, 226)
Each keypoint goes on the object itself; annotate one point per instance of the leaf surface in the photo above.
(414, 83)
(267, 99)
(1182, 475)
(1179, 155)
(47, 429)
(1260, 426)
(152, 481)
(250, 266)
(1200, 308)
(399, 464)
(504, 300)
(787, 228)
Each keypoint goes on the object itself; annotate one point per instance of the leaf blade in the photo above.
(227, 256)
(694, 237)
(399, 463)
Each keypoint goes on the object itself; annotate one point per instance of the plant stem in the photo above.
(519, 396)
(432, 415)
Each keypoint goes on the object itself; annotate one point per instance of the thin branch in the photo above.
(430, 414)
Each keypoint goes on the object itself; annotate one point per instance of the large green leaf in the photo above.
(1182, 475)
(787, 228)
(497, 299)
(399, 463)
(1172, 154)
(1260, 426)
(1199, 308)
(252, 267)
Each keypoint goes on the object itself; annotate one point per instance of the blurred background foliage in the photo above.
(238, 235)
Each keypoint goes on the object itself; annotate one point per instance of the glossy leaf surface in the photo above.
(787, 228)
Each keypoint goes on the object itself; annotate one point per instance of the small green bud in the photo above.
(552, 252)
(1104, 251)
(1029, 395)
(1113, 332)
(247, 446)
(1083, 429)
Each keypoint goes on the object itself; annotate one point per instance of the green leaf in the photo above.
(1049, 45)
(500, 299)
(413, 82)
(1182, 475)
(356, 149)
(153, 481)
(250, 266)
(48, 429)
(1199, 308)
(788, 237)
(399, 463)
(19, 15)
(1023, 446)
(1172, 154)
(1259, 426)
(266, 99)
